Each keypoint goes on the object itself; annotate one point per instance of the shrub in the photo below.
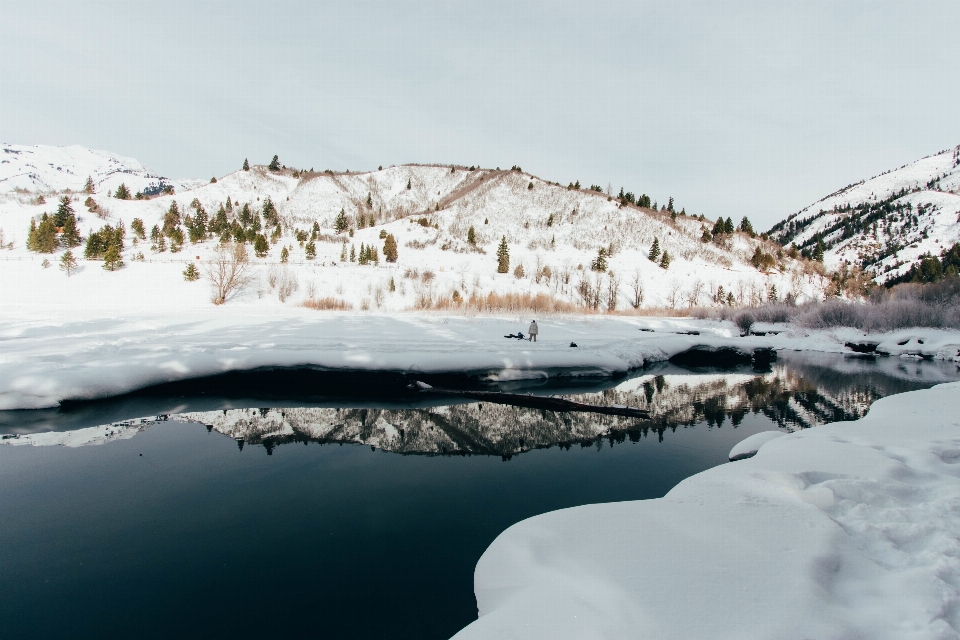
(744, 322)
(327, 304)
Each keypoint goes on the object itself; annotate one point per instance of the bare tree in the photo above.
(693, 296)
(228, 271)
(673, 293)
(637, 285)
(613, 290)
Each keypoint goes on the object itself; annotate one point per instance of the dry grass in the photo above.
(327, 304)
(498, 303)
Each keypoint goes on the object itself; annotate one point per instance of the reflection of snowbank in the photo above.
(845, 530)
(80, 437)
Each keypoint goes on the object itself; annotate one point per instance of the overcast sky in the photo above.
(732, 108)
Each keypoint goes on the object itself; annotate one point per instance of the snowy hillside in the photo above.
(45, 169)
(886, 223)
(554, 233)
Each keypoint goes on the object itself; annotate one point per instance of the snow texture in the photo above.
(848, 530)
(748, 448)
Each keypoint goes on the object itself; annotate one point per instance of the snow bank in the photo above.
(42, 363)
(845, 530)
(749, 447)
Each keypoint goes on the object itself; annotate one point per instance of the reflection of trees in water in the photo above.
(789, 397)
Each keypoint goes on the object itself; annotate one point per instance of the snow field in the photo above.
(845, 530)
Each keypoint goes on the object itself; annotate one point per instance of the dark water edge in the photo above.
(178, 531)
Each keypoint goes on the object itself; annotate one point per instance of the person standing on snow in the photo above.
(533, 330)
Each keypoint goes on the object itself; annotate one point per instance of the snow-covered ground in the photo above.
(848, 530)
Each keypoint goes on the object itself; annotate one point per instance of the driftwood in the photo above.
(533, 402)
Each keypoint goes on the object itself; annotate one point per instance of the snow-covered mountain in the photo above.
(553, 232)
(45, 169)
(886, 223)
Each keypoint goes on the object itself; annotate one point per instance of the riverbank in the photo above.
(848, 530)
(44, 362)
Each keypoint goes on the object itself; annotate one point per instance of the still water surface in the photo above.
(276, 521)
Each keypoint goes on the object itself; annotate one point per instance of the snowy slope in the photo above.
(545, 226)
(915, 209)
(848, 530)
(46, 169)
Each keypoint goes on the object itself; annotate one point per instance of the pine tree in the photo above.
(721, 295)
(705, 236)
(190, 274)
(246, 165)
(728, 226)
(361, 222)
(600, 264)
(665, 260)
(353, 253)
(472, 236)
(88, 186)
(818, 251)
(270, 216)
(310, 250)
(274, 164)
(122, 192)
(369, 200)
(138, 229)
(171, 219)
(343, 252)
(70, 237)
(284, 255)
(176, 240)
(44, 238)
(408, 184)
(111, 259)
(670, 205)
(654, 254)
(390, 249)
(503, 257)
(67, 262)
(363, 254)
(32, 236)
(746, 227)
(718, 227)
(260, 246)
(341, 224)
(64, 210)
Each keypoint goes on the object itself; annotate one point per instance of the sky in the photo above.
(731, 108)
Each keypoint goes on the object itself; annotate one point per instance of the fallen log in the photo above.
(533, 402)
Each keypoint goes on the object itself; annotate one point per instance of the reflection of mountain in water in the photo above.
(802, 390)
(793, 396)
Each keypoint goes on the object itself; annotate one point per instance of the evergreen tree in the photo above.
(260, 246)
(600, 264)
(390, 248)
(310, 250)
(408, 184)
(284, 255)
(670, 205)
(245, 215)
(274, 164)
(720, 298)
(503, 256)
(122, 192)
(353, 253)
(665, 260)
(246, 165)
(64, 211)
(818, 251)
(171, 219)
(32, 236)
(270, 216)
(275, 236)
(138, 229)
(229, 205)
(705, 236)
(718, 227)
(549, 220)
(343, 252)
(472, 236)
(191, 274)
(67, 262)
(70, 237)
(43, 238)
(363, 254)
(654, 254)
(369, 200)
(728, 226)
(112, 259)
(341, 224)
(361, 222)
(88, 186)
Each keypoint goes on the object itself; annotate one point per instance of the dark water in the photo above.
(276, 522)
